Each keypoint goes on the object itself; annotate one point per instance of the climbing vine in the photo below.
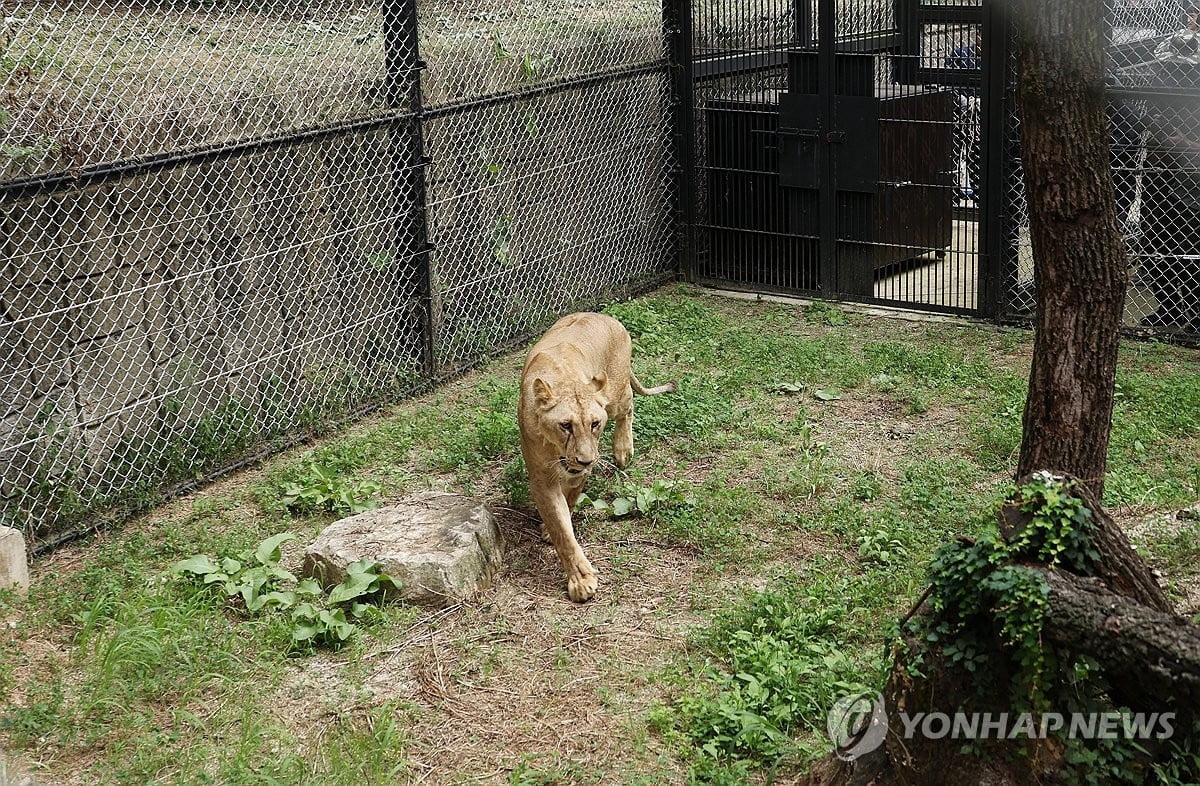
(987, 606)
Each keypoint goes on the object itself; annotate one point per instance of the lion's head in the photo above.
(571, 419)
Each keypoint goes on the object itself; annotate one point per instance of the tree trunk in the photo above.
(1152, 660)
(1079, 258)
(1119, 566)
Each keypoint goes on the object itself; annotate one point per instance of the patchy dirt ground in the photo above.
(1180, 524)
(520, 681)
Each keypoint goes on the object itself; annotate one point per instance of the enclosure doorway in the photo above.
(841, 150)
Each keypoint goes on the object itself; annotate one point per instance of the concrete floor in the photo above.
(953, 279)
(949, 280)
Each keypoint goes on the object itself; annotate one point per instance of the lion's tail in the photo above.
(670, 387)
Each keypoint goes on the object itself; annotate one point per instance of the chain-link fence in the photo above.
(1154, 118)
(226, 223)
(223, 224)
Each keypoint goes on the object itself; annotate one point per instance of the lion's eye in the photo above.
(595, 425)
(565, 426)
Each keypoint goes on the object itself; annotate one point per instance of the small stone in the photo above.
(442, 548)
(14, 565)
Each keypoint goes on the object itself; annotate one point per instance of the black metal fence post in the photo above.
(402, 70)
(996, 235)
(677, 30)
(830, 273)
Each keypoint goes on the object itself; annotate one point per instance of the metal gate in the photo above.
(867, 150)
(841, 151)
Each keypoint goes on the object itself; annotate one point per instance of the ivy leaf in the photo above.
(621, 506)
(827, 394)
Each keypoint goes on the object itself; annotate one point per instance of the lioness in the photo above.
(576, 378)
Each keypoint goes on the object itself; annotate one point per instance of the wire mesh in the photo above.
(97, 82)
(214, 219)
(489, 47)
(722, 27)
(557, 201)
(1154, 120)
(559, 196)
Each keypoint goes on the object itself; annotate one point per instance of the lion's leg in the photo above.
(556, 523)
(623, 433)
(571, 493)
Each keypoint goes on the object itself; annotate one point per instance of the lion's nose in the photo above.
(584, 463)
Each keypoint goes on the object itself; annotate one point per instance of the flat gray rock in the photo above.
(441, 547)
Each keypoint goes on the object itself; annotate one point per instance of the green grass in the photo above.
(775, 661)
(815, 459)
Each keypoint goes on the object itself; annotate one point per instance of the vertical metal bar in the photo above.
(402, 70)
(804, 23)
(826, 85)
(995, 243)
(677, 27)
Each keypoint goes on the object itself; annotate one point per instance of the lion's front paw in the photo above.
(622, 456)
(582, 586)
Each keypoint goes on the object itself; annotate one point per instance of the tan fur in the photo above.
(576, 378)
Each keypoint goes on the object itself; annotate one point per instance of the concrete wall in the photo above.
(154, 328)
(150, 324)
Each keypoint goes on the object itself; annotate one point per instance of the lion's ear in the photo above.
(599, 381)
(541, 391)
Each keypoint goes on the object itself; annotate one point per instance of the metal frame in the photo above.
(402, 69)
(997, 238)
(677, 31)
(819, 35)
